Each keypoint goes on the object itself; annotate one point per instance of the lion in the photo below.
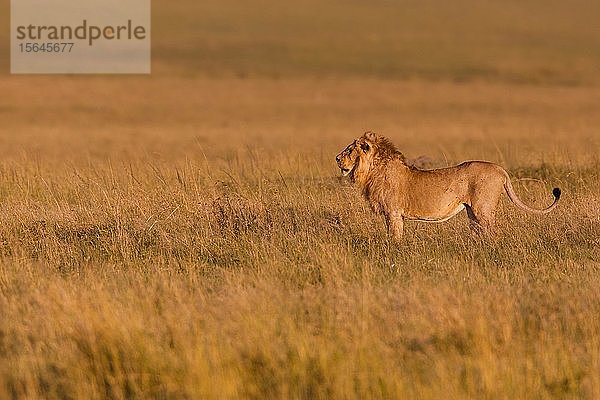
(401, 191)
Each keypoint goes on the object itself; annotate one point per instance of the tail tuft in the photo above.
(556, 192)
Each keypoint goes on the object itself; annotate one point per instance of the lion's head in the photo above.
(360, 155)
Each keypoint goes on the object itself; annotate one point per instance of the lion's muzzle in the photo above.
(345, 171)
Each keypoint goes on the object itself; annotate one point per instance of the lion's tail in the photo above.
(556, 192)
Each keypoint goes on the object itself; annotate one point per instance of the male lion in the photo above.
(399, 191)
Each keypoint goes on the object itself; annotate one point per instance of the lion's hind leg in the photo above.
(474, 222)
(483, 204)
(481, 221)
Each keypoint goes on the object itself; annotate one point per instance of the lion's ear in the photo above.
(365, 146)
(370, 135)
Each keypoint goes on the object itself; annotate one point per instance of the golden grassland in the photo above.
(531, 41)
(190, 238)
(187, 234)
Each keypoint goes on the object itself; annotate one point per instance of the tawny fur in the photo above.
(399, 191)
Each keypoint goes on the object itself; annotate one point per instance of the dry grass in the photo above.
(179, 236)
(198, 244)
(531, 41)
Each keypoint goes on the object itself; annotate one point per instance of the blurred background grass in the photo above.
(532, 41)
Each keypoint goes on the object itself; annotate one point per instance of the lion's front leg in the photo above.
(395, 225)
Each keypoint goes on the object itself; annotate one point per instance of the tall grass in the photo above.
(201, 245)
(137, 282)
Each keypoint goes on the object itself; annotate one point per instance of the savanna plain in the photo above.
(188, 235)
